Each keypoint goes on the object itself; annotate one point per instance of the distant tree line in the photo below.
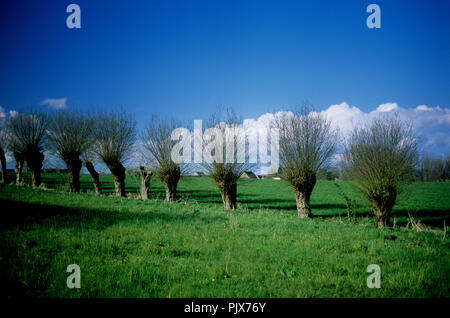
(433, 168)
(429, 169)
(379, 156)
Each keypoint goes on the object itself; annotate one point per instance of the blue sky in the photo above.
(185, 58)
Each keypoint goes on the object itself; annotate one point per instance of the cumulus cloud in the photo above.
(4, 114)
(432, 124)
(387, 107)
(424, 108)
(56, 103)
(13, 113)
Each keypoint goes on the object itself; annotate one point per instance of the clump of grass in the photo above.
(186, 200)
(445, 231)
(233, 222)
(62, 183)
(349, 203)
(418, 226)
(133, 177)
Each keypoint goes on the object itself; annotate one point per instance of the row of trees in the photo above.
(433, 168)
(107, 137)
(380, 156)
(430, 169)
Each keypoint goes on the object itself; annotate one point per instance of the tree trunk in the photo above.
(19, 167)
(171, 190)
(34, 162)
(74, 165)
(3, 162)
(228, 191)
(74, 179)
(170, 180)
(382, 204)
(303, 186)
(382, 218)
(94, 176)
(118, 174)
(303, 206)
(146, 175)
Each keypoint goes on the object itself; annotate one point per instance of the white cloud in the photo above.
(344, 117)
(4, 113)
(387, 107)
(432, 124)
(56, 103)
(13, 113)
(424, 108)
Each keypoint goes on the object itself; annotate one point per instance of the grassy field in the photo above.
(193, 248)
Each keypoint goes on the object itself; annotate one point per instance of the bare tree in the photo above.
(447, 168)
(226, 168)
(157, 145)
(70, 134)
(142, 176)
(114, 135)
(380, 156)
(94, 176)
(434, 168)
(20, 160)
(307, 142)
(146, 176)
(89, 157)
(4, 147)
(3, 150)
(426, 168)
(26, 138)
(3, 163)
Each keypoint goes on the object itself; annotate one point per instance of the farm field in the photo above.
(127, 247)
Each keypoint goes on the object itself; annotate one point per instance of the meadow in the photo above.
(127, 247)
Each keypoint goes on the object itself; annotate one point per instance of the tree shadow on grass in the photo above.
(201, 196)
(22, 214)
(433, 218)
(107, 187)
(282, 204)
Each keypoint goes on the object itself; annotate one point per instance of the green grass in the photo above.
(193, 248)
